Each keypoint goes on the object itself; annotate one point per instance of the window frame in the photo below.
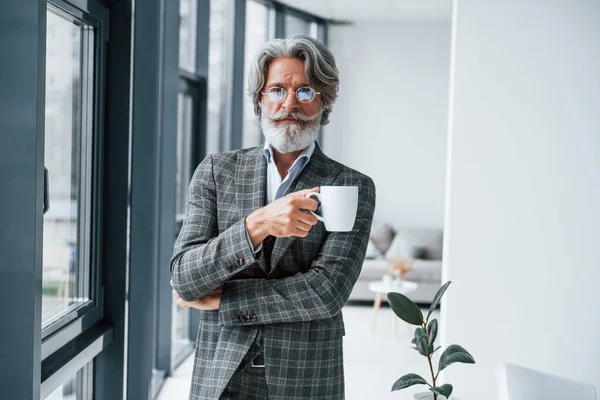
(67, 326)
(72, 341)
(195, 83)
(196, 87)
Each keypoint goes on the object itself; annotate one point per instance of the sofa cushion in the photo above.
(373, 252)
(413, 243)
(382, 237)
(425, 271)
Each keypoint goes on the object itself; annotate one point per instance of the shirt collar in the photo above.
(305, 155)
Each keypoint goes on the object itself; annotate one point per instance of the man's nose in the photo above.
(290, 103)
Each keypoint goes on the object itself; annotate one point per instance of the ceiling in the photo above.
(375, 10)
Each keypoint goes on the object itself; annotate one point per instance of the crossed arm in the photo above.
(204, 261)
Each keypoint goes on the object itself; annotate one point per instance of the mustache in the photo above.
(281, 115)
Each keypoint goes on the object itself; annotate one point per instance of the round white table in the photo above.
(387, 286)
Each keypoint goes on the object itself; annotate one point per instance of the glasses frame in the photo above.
(293, 91)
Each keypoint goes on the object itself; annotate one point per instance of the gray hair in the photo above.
(319, 68)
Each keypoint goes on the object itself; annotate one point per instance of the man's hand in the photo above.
(283, 217)
(210, 302)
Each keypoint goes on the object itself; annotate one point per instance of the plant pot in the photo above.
(429, 396)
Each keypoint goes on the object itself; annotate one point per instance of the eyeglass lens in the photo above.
(304, 94)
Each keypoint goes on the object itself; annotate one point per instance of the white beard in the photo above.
(288, 137)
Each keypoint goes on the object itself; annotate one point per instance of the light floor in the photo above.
(374, 359)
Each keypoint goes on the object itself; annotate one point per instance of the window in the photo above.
(67, 233)
(259, 30)
(298, 26)
(78, 387)
(180, 333)
(185, 126)
(71, 287)
(180, 324)
(187, 34)
(219, 68)
(190, 147)
(190, 119)
(66, 391)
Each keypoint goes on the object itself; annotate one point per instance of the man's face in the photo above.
(289, 125)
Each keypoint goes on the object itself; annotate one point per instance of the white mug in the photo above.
(338, 206)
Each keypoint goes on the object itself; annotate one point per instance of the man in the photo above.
(269, 280)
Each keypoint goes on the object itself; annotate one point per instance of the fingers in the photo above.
(305, 203)
(183, 304)
(304, 192)
(303, 226)
(307, 218)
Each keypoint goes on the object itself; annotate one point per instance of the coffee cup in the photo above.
(338, 207)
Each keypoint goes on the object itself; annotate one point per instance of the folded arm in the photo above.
(203, 259)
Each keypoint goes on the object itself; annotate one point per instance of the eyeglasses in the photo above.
(303, 94)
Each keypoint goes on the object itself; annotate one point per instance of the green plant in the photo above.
(424, 340)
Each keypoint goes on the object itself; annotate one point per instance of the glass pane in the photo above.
(187, 34)
(257, 33)
(78, 387)
(296, 26)
(66, 391)
(314, 30)
(219, 67)
(180, 332)
(184, 150)
(67, 156)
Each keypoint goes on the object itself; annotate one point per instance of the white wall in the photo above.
(523, 207)
(390, 120)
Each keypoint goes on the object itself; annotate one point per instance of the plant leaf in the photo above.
(407, 381)
(437, 298)
(432, 331)
(405, 308)
(421, 340)
(419, 350)
(444, 390)
(436, 349)
(454, 354)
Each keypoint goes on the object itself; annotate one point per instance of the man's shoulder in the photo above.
(226, 162)
(233, 155)
(346, 174)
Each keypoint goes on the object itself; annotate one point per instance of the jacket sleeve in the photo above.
(203, 259)
(319, 293)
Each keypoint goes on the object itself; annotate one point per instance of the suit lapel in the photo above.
(319, 171)
(251, 180)
(251, 183)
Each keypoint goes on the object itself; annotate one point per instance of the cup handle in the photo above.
(318, 196)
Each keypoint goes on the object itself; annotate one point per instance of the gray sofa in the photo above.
(421, 247)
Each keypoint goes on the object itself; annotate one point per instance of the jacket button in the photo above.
(241, 261)
(253, 317)
(236, 319)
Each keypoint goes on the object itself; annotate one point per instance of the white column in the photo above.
(523, 201)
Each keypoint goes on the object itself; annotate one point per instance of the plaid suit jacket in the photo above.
(292, 310)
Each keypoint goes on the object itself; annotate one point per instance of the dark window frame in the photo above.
(65, 328)
(195, 84)
(70, 343)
